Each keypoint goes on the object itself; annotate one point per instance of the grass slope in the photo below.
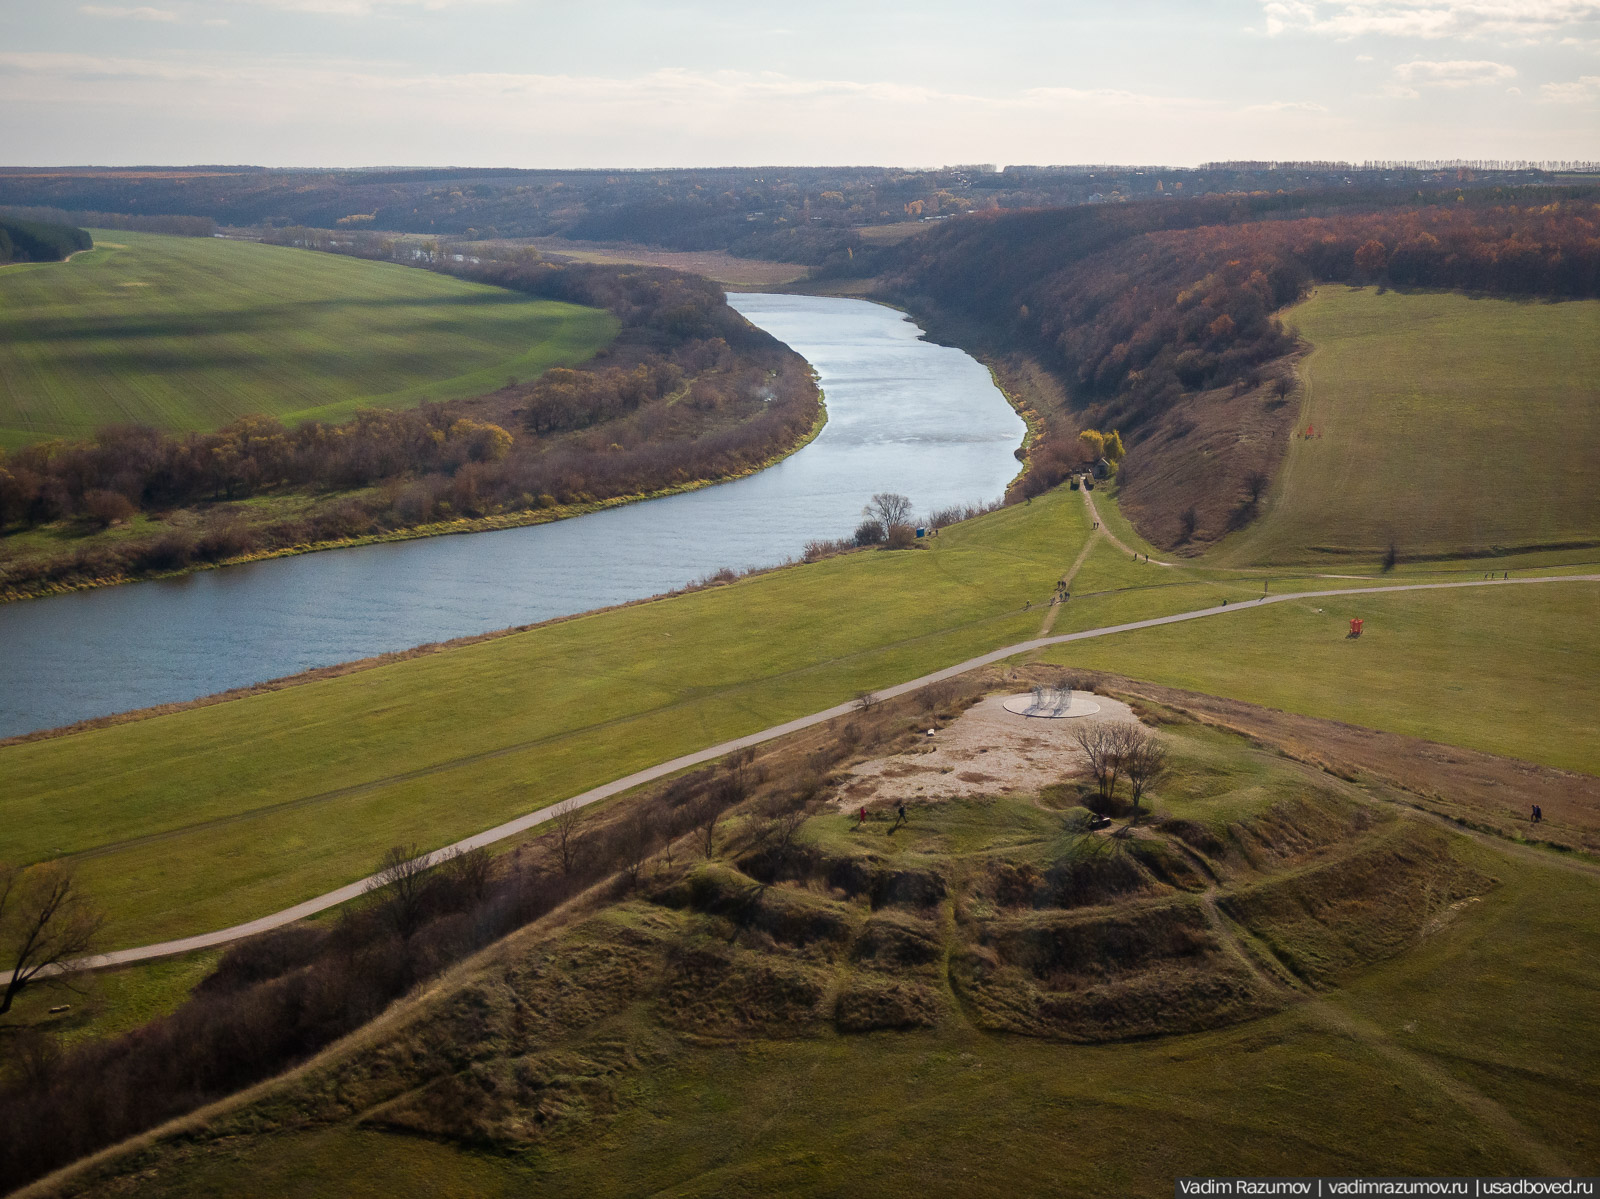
(1451, 425)
(190, 333)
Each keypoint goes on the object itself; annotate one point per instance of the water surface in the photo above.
(903, 415)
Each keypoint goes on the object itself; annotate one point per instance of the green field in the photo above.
(190, 333)
(1451, 425)
(1512, 671)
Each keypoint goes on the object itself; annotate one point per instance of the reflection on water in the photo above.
(903, 415)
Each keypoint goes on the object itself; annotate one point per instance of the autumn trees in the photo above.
(689, 391)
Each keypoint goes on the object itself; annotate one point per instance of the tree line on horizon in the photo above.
(809, 215)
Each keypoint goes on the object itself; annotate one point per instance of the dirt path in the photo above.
(1088, 498)
(1072, 571)
(522, 824)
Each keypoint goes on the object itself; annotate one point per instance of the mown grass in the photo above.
(190, 333)
(108, 1003)
(1450, 425)
(1507, 670)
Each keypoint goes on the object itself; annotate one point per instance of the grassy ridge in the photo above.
(1451, 425)
(190, 333)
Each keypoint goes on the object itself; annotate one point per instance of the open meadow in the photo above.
(191, 333)
(1447, 425)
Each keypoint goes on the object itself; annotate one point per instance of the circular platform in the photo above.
(1052, 705)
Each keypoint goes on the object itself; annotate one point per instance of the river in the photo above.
(903, 415)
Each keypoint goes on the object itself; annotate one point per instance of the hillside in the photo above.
(1165, 321)
(1445, 426)
(684, 391)
(191, 333)
(815, 1003)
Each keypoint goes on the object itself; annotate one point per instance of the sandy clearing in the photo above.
(986, 751)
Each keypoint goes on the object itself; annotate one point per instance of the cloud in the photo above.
(259, 108)
(362, 8)
(133, 14)
(1456, 74)
(1521, 19)
(1581, 91)
(1286, 106)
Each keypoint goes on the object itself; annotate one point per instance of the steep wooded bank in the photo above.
(39, 241)
(1161, 319)
(689, 391)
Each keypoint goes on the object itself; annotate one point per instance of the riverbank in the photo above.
(902, 416)
(479, 524)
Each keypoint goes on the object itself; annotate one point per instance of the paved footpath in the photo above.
(605, 791)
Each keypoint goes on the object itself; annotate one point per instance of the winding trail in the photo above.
(1100, 527)
(521, 824)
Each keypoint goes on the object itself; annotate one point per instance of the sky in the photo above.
(603, 83)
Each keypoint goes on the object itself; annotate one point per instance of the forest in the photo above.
(688, 391)
(38, 241)
(808, 215)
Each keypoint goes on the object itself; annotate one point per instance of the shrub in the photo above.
(107, 508)
(869, 532)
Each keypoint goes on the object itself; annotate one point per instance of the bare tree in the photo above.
(1255, 484)
(739, 772)
(45, 924)
(1144, 762)
(402, 872)
(1122, 738)
(1095, 738)
(707, 812)
(888, 508)
(469, 871)
(865, 700)
(566, 828)
(635, 840)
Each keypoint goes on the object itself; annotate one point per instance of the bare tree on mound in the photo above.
(45, 922)
(1144, 761)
